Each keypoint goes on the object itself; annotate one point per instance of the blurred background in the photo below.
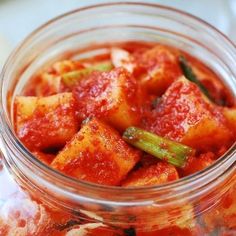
(20, 17)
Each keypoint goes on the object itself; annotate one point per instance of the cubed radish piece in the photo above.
(185, 115)
(152, 175)
(112, 96)
(122, 58)
(45, 122)
(195, 164)
(161, 64)
(65, 66)
(97, 154)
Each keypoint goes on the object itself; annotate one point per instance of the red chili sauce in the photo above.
(76, 116)
(75, 112)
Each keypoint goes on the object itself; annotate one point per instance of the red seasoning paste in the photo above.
(139, 115)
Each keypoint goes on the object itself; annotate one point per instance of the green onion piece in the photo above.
(173, 152)
(73, 77)
(189, 74)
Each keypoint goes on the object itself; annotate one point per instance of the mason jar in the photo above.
(37, 200)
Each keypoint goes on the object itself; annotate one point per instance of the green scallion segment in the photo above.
(173, 152)
(73, 77)
(189, 74)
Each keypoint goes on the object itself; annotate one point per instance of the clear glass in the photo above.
(42, 201)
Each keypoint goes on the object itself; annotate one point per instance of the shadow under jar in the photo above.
(37, 200)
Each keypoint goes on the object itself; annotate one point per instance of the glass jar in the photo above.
(41, 201)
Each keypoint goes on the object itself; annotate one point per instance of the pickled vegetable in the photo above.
(138, 115)
(167, 150)
(173, 111)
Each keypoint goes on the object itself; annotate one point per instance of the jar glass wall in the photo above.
(200, 204)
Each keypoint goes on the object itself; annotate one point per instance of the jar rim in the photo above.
(185, 182)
